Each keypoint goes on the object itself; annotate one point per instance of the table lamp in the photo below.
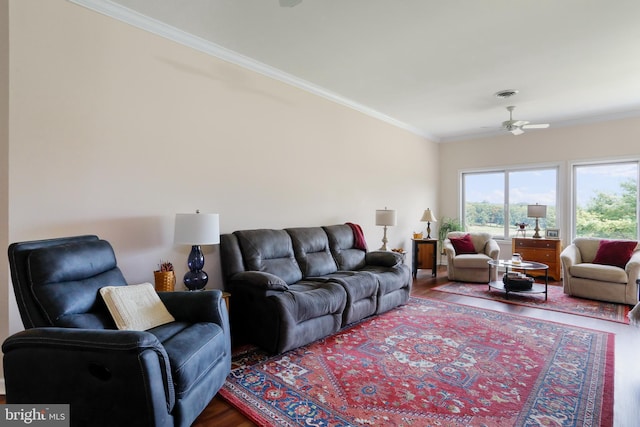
(537, 211)
(195, 230)
(386, 218)
(428, 217)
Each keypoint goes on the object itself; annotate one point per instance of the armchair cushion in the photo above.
(463, 245)
(615, 252)
(135, 307)
(600, 272)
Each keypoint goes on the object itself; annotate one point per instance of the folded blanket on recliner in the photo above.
(358, 235)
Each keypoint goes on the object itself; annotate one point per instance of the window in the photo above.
(495, 201)
(605, 200)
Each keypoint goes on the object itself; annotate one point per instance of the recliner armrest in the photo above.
(69, 365)
(194, 307)
(83, 339)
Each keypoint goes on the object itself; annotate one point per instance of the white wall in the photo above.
(114, 130)
(554, 146)
(4, 169)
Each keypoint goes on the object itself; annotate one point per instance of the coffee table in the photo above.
(537, 288)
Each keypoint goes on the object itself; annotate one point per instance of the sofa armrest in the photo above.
(195, 307)
(259, 280)
(633, 267)
(383, 258)
(87, 369)
(570, 256)
(448, 249)
(492, 249)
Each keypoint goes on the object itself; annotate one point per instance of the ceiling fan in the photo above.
(517, 127)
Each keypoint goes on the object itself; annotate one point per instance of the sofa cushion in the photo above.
(615, 252)
(599, 272)
(463, 245)
(307, 300)
(343, 249)
(311, 248)
(270, 251)
(384, 258)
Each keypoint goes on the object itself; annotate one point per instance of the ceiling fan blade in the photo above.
(519, 122)
(517, 131)
(536, 126)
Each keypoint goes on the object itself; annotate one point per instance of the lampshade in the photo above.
(386, 217)
(428, 216)
(197, 229)
(537, 211)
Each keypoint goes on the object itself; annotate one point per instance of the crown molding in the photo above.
(138, 20)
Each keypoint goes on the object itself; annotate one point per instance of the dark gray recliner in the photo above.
(72, 353)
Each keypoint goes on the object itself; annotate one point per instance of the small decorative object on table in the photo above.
(165, 277)
(552, 233)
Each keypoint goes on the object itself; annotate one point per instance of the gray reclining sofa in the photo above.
(293, 286)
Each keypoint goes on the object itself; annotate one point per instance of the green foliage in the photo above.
(610, 215)
(487, 214)
(446, 225)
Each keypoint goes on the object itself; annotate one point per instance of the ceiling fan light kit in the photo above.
(517, 127)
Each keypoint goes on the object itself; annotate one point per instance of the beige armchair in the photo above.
(583, 278)
(472, 267)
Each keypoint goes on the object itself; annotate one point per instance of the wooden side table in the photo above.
(425, 255)
(226, 296)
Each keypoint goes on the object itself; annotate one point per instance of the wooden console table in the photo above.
(425, 255)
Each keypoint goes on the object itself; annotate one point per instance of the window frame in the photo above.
(573, 200)
(506, 170)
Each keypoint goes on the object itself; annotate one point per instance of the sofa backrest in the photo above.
(270, 251)
(342, 245)
(61, 281)
(479, 239)
(588, 247)
(311, 248)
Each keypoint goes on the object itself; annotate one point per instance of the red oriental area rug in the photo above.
(433, 363)
(557, 301)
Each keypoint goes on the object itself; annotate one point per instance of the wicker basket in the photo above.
(165, 280)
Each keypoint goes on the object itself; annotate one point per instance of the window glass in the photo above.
(496, 201)
(606, 200)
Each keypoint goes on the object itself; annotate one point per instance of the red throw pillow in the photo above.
(614, 252)
(463, 245)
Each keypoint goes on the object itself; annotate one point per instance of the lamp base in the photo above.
(384, 240)
(537, 230)
(195, 279)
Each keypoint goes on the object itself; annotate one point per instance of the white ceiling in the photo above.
(430, 66)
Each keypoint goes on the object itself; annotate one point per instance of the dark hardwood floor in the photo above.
(627, 349)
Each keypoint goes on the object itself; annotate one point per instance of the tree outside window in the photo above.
(606, 200)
